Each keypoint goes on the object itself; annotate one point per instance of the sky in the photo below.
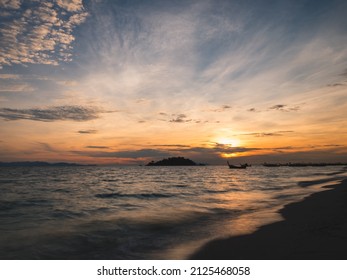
(126, 82)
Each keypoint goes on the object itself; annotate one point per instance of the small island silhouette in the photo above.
(174, 161)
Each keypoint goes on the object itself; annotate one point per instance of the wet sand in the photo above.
(313, 229)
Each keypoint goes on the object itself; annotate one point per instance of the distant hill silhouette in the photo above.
(173, 161)
(36, 163)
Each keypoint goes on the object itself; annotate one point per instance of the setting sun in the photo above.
(228, 141)
(226, 155)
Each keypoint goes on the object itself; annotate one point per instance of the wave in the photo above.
(61, 191)
(320, 181)
(8, 205)
(179, 186)
(139, 195)
(110, 180)
(223, 191)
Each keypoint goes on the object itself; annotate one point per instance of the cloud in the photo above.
(277, 107)
(47, 147)
(146, 57)
(16, 87)
(207, 54)
(143, 153)
(335, 85)
(215, 153)
(284, 108)
(172, 145)
(344, 73)
(333, 145)
(39, 32)
(89, 131)
(266, 134)
(50, 114)
(70, 5)
(10, 76)
(180, 118)
(10, 83)
(221, 109)
(175, 150)
(10, 4)
(97, 147)
(222, 148)
(215, 150)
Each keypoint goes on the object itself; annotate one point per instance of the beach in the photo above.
(313, 229)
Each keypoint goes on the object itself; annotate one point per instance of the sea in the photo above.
(141, 212)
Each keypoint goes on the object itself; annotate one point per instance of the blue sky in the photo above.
(144, 76)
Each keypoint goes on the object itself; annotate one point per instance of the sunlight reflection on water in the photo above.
(139, 212)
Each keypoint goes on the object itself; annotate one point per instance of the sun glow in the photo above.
(228, 141)
(229, 155)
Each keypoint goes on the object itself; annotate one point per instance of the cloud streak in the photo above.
(266, 134)
(89, 131)
(169, 150)
(134, 154)
(97, 147)
(16, 87)
(57, 113)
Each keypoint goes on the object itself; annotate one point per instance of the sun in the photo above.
(228, 143)
(232, 142)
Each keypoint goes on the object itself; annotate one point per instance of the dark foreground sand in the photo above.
(315, 228)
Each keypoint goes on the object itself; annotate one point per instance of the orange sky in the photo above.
(121, 83)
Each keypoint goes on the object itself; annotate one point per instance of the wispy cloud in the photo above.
(344, 73)
(47, 147)
(88, 131)
(10, 76)
(39, 32)
(266, 134)
(221, 109)
(97, 147)
(172, 146)
(16, 87)
(14, 83)
(58, 113)
(336, 85)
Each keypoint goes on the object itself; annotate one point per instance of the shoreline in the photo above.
(313, 229)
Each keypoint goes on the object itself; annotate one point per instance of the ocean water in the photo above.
(138, 212)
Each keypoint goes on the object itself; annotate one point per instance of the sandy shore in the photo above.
(315, 228)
